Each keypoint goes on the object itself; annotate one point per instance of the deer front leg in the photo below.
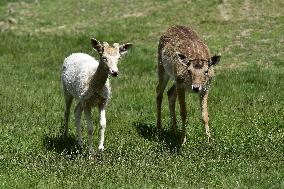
(204, 114)
(181, 99)
(172, 95)
(102, 127)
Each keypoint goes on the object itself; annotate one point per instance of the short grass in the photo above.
(246, 100)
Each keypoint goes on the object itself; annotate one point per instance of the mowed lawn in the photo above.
(246, 101)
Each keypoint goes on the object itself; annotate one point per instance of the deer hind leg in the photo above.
(88, 115)
(162, 83)
(68, 102)
(78, 114)
(181, 99)
(172, 96)
(204, 115)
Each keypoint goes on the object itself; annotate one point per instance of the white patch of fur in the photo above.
(77, 74)
(78, 69)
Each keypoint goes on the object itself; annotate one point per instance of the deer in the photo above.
(184, 58)
(87, 80)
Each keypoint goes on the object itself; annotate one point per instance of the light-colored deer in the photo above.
(183, 57)
(86, 79)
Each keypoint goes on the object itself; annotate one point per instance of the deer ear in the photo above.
(97, 45)
(215, 60)
(124, 48)
(182, 58)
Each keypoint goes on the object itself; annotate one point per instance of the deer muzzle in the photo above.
(114, 73)
(196, 88)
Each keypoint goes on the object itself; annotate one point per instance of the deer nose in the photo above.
(196, 88)
(114, 73)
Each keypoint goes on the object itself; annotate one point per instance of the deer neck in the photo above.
(100, 77)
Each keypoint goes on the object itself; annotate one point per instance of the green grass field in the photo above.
(246, 102)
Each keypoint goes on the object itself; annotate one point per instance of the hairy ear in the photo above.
(124, 48)
(97, 45)
(182, 58)
(215, 60)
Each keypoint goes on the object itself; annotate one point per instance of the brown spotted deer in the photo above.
(184, 57)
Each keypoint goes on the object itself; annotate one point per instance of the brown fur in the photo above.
(112, 51)
(184, 56)
(186, 41)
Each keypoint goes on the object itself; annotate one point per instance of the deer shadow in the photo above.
(166, 137)
(61, 144)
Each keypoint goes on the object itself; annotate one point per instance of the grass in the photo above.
(246, 102)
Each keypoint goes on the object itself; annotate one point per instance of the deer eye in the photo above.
(104, 59)
(206, 71)
(188, 71)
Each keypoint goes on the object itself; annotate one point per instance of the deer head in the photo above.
(110, 54)
(200, 71)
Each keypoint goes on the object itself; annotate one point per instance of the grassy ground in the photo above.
(246, 100)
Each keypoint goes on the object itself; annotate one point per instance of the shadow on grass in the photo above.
(60, 144)
(149, 132)
(69, 147)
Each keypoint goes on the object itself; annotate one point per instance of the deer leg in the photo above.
(78, 113)
(68, 102)
(88, 115)
(102, 126)
(204, 115)
(172, 95)
(181, 99)
(162, 83)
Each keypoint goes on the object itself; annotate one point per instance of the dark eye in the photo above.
(104, 59)
(206, 71)
(188, 71)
